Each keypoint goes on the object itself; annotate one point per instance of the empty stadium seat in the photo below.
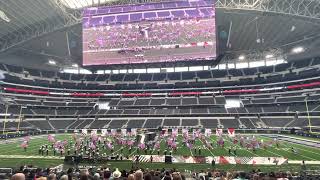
(99, 124)
(209, 123)
(189, 122)
(171, 122)
(135, 123)
(153, 123)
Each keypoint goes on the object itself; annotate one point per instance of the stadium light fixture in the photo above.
(4, 17)
(241, 57)
(232, 103)
(268, 56)
(4, 114)
(76, 4)
(297, 50)
(52, 62)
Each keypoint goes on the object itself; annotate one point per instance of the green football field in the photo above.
(12, 155)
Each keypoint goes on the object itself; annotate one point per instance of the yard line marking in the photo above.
(285, 144)
(133, 152)
(301, 148)
(300, 154)
(256, 155)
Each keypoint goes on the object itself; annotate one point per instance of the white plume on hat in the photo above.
(116, 173)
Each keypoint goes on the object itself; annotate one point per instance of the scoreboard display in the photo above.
(149, 33)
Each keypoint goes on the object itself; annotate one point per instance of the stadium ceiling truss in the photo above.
(22, 30)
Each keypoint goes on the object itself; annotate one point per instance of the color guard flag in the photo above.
(195, 133)
(185, 132)
(231, 132)
(174, 132)
(104, 132)
(219, 132)
(207, 132)
(164, 132)
(123, 132)
(84, 131)
(113, 132)
(94, 131)
(51, 138)
(24, 144)
(133, 132)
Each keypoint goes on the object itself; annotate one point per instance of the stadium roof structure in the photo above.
(256, 24)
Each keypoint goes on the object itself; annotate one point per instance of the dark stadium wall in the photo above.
(24, 60)
(36, 52)
(308, 53)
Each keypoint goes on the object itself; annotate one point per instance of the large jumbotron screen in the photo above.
(149, 33)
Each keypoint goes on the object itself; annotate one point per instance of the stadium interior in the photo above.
(152, 89)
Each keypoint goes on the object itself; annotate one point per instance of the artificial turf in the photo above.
(12, 155)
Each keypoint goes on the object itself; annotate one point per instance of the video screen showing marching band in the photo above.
(149, 33)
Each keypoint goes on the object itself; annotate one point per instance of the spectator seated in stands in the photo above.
(146, 174)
